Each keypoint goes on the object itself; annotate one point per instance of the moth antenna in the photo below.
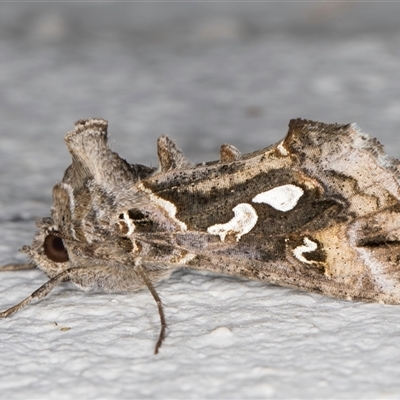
(38, 294)
(170, 155)
(141, 272)
(17, 267)
(229, 153)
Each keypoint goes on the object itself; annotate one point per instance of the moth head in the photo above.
(83, 228)
(48, 250)
(60, 235)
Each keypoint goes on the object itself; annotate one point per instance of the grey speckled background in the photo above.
(205, 74)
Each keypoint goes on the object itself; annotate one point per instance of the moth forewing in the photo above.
(318, 211)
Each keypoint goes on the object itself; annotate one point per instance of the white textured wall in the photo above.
(205, 75)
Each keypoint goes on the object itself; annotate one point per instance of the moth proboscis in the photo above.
(318, 211)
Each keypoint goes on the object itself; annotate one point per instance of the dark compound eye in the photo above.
(54, 249)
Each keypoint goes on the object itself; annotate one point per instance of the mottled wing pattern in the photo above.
(317, 211)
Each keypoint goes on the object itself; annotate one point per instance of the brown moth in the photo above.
(318, 211)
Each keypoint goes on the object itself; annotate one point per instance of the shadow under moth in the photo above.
(318, 211)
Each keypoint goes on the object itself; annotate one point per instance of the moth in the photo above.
(318, 211)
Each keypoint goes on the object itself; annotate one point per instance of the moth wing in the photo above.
(298, 213)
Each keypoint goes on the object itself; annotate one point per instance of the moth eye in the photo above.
(54, 249)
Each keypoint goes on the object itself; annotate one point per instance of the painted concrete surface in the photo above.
(205, 75)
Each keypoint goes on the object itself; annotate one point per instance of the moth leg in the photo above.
(142, 274)
(38, 294)
(66, 275)
(17, 267)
